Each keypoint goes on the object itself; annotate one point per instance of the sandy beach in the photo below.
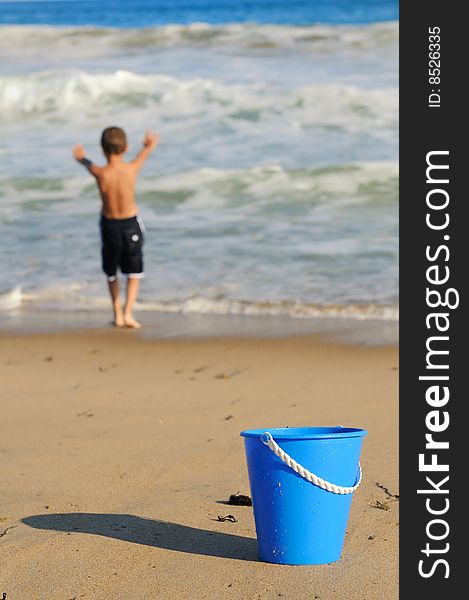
(118, 454)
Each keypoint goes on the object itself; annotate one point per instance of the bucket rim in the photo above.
(306, 433)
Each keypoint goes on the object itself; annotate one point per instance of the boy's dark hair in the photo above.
(113, 140)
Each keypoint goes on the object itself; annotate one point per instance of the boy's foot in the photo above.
(131, 322)
(118, 318)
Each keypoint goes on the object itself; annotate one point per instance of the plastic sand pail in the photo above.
(302, 481)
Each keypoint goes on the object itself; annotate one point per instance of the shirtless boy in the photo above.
(121, 227)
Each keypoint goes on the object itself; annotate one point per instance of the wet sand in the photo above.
(118, 453)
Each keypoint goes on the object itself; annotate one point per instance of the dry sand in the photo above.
(117, 453)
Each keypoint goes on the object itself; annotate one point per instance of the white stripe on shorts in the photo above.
(140, 222)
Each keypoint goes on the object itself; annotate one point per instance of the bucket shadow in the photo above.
(149, 532)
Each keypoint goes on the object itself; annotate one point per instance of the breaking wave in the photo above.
(54, 93)
(96, 40)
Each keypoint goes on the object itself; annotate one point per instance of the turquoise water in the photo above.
(274, 190)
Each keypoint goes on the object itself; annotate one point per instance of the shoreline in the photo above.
(160, 325)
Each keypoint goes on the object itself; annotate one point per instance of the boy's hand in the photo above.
(151, 140)
(78, 153)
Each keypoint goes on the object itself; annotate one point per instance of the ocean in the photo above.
(274, 190)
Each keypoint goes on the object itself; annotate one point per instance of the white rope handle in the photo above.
(268, 440)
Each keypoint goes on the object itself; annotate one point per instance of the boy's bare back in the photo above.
(116, 180)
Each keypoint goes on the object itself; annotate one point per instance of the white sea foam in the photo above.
(274, 182)
(199, 305)
(53, 93)
(253, 188)
(93, 41)
(11, 299)
(71, 297)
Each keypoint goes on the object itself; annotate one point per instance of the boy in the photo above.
(121, 228)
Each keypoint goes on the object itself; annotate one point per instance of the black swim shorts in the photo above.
(122, 241)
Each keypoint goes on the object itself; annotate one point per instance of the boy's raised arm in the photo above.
(79, 155)
(150, 142)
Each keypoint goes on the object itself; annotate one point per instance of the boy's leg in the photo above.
(133, 284)
(116, 302)
(110, 251)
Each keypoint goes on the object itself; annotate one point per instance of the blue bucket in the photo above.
(298, 522)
